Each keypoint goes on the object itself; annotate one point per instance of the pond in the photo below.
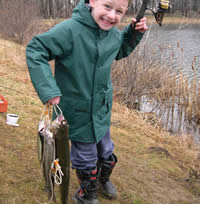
(180, 44)
(178, 47)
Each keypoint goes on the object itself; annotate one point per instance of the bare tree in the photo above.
(18, 18)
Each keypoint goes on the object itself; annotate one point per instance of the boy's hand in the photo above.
(54, 101)
(141, 25)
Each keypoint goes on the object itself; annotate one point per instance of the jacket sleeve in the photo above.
(53, 44)
(130, 39)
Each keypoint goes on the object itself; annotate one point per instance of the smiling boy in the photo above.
(84, 48)
(107, 14)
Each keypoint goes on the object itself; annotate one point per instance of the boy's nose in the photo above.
(111, 14)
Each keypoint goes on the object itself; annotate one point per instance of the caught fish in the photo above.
(46, 149)
(53, 149)
(62, 152)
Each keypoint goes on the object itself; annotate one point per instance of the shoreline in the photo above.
(168, 20)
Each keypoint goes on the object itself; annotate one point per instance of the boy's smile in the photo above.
(108, 13)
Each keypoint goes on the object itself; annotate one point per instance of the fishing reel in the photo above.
(162, 8)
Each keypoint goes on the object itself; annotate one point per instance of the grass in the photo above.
(48, 23)
(169, 19)
(150, 18)
(141, 176)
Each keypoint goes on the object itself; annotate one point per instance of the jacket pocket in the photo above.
(105, 110)
(81, 115)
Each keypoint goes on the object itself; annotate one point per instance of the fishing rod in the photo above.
(162, 8)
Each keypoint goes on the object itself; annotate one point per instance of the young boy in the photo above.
(84, 48)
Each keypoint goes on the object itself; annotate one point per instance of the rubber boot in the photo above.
(106, 186)
(87, 192)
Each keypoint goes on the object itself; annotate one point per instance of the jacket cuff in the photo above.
(47, 98)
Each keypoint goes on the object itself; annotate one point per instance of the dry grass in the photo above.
(169, 20)
(180, 92)
(143, 175)
(181, 20)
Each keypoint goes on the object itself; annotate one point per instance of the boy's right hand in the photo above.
(141, 25)
(54, 101)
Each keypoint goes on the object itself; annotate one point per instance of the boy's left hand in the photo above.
(54, 101)
(141, 25)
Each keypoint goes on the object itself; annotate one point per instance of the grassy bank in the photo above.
(48, 23)
(153, 167)
(167, 20)
(177, 20)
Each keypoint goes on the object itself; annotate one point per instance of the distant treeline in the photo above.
(63, 8)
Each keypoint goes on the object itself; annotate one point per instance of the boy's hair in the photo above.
(129, 2)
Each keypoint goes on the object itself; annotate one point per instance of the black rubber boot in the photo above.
(106, 186)
(87, 193)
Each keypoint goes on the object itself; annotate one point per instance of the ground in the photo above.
(153, 167)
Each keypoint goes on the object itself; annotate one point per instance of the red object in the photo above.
(3, 104)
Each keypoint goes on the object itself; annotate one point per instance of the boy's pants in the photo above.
(85, 155)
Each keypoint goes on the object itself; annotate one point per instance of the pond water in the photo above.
(179, 48)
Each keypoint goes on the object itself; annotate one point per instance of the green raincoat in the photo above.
(83, 55)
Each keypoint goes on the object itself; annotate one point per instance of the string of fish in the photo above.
(55, 166)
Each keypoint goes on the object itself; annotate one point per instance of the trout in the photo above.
(53, 145)
(62, 153)
(46, 144)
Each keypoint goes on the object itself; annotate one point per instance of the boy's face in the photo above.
(108, 13)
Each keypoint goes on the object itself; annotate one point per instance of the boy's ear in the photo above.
(92, 2)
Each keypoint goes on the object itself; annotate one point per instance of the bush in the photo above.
(138, 75)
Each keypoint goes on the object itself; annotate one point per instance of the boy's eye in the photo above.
(107, 6)
(119, 12)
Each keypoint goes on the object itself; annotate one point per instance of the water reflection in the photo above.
(173, 121)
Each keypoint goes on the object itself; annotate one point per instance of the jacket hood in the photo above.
(82, 14)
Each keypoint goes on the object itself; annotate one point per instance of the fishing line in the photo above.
(56, 106)
(11, 89)
(58, 171)
(50, 176)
